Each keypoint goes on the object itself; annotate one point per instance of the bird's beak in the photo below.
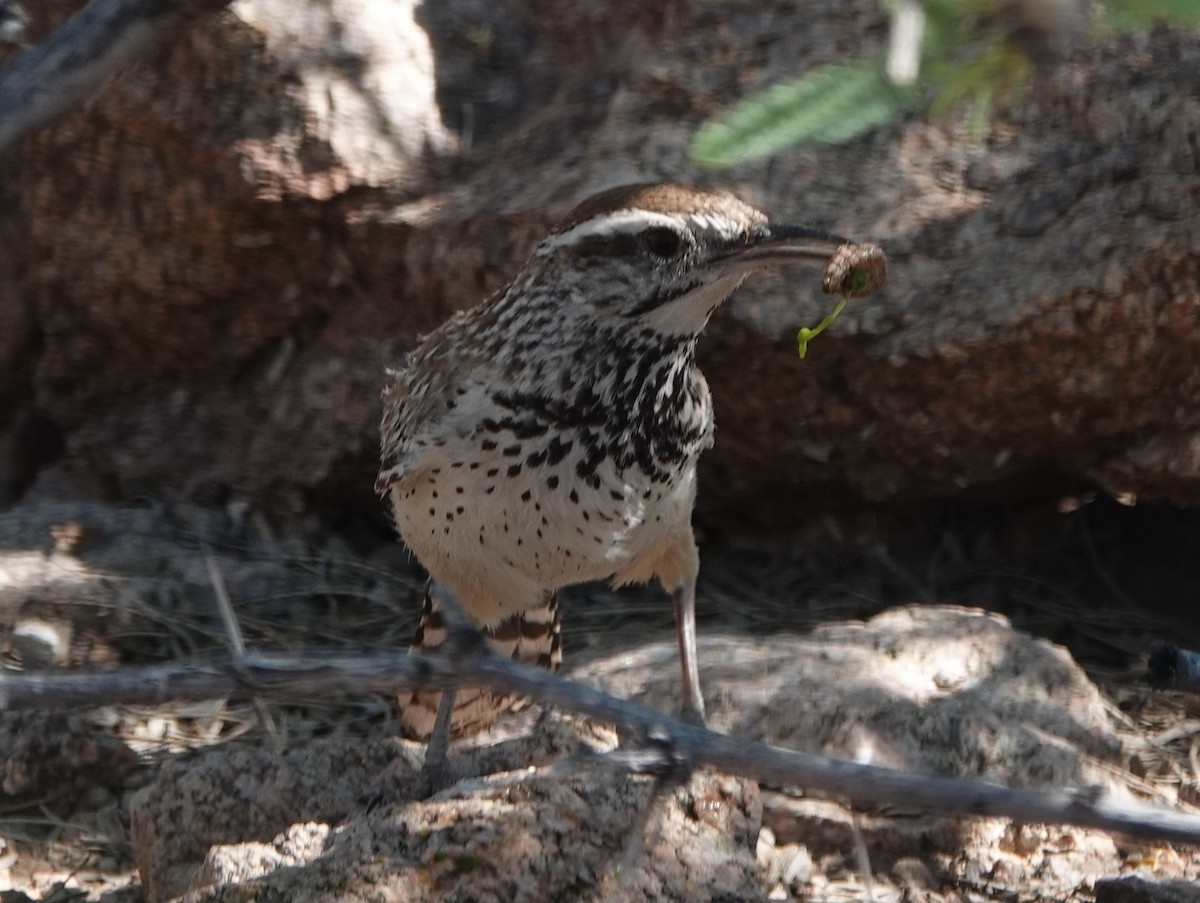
(781, 244)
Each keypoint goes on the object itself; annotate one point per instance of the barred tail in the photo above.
(533, 636)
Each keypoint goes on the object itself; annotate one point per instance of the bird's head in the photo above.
(664, 257)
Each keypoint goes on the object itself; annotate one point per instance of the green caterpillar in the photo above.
(854, 271)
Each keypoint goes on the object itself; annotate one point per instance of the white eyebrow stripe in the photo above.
(722, 225)
(626, 222)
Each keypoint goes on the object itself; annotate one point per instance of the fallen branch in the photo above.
(466, 660)
(74, 63)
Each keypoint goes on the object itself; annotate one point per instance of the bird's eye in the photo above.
(662, 242)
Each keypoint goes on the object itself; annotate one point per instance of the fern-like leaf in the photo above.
(830, 104)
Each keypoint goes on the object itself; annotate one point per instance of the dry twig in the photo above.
(75, 61)
(466, 660)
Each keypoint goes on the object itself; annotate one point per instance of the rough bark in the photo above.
(222, 263)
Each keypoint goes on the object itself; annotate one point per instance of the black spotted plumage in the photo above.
(573, 398)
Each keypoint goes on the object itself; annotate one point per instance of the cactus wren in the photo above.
(550, 436)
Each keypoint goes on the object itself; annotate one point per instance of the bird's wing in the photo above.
(399, 454)
(419, 407)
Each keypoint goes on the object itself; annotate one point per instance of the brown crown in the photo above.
(660, 198)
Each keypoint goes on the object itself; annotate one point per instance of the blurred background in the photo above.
(207, 267)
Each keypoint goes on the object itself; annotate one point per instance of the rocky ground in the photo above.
(821, 640)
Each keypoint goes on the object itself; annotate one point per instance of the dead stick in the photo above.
(76, 61)
(466, 659)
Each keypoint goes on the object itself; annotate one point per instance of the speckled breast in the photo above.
(502, 532)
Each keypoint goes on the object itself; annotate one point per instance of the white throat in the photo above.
(689, 314)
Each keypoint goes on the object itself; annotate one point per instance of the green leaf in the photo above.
(831, 104)
(1121, 15)
(948, 25)
(999, 71)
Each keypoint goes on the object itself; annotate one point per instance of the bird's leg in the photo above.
(684, 599)
(436, 771)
